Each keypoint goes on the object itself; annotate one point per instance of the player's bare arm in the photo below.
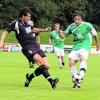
(36, 30)
(3, 36)
(51, 40)
(62, 34)
(97, 43)
(63, 39)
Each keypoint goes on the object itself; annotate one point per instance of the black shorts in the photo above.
(31, 50)
(27, 55)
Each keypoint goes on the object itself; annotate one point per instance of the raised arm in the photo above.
(63, 39)
(62, 35)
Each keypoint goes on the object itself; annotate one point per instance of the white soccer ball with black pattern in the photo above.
(76, 78)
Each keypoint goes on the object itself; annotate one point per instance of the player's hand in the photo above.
(48, 28)
(97, 47)
(60, 31)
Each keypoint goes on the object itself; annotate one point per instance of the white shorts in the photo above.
(79, 53)
(59, 51)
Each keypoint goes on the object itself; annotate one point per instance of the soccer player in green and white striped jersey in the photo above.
(82, 32)
(57, 42)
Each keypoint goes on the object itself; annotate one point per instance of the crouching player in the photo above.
(25, 35)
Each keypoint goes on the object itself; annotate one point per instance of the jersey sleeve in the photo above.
(67, 31)
(10, 27)
(92, 30)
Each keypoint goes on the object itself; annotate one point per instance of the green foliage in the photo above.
(45, 22)
(50, 11)
(93, 14)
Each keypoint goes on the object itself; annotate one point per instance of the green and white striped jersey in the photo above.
(82, 35)
(57, 40)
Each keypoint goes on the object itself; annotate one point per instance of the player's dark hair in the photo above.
(78, 13)
(24, 12)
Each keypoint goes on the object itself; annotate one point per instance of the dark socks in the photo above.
(46, 74)
(83, 69)
(37, 72)
(41, 70)
(63, 63)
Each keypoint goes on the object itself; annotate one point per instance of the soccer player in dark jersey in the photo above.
(25, 35)
(26, 54)
(29, 58)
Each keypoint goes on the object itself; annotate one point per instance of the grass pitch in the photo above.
(14, 66)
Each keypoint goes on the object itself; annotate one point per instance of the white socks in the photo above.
(73, 70)
(83, 67)
(60, 62)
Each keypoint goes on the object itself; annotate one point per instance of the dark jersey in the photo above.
(23, 33)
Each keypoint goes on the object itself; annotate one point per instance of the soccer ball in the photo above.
(76, 78)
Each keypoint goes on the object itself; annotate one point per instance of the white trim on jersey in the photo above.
(93, 32)
(17, 27)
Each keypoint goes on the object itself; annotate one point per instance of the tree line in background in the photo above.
(48, 12)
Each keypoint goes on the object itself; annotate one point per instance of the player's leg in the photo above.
(57, 53)
(45, 72)
(83, 64)
(73, 58)
(72, 65)
(47, 75)
(60, 61)
(29, 57)
(74, 73)
(41, 70)
(83, 54)
(62, 56)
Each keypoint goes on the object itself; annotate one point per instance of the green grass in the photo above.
(14, 66)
